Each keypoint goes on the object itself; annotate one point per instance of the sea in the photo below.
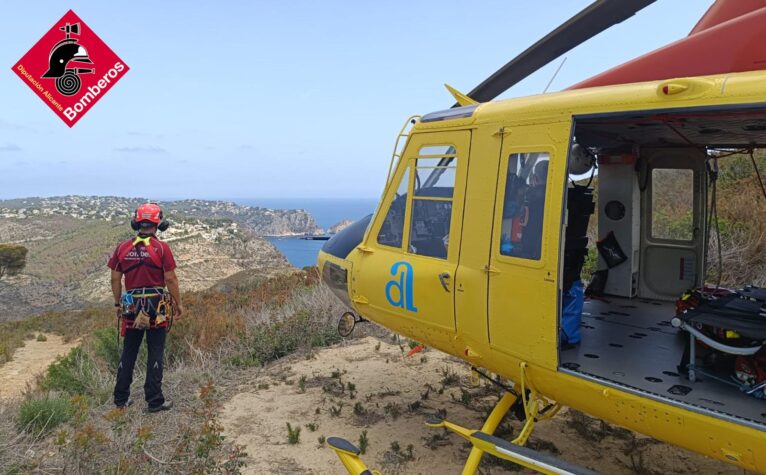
(327, 212)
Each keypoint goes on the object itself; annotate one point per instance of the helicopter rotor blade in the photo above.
(595, 18)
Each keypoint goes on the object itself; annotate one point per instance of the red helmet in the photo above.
(149, 213)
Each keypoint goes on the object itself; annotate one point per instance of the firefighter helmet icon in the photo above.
(66, 51)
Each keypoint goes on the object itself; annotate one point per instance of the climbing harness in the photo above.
(139, 304)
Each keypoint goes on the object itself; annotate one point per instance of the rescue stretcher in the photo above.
(730, 322)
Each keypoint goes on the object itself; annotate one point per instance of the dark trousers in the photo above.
(155, 343)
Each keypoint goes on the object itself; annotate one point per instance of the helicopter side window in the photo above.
(524, 205)
(432, 201)
(672, 204)
(391, 231)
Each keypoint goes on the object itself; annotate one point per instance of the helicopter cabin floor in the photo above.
(631, 343)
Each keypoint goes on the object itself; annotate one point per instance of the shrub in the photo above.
(107, 347)
(76, 373)
(293, 434)
(39, 416)
(269, 342)
(364, 442)
(449, 377)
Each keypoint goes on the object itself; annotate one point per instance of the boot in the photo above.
(165, 406)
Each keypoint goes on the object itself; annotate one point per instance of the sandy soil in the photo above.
(29, 361)
(392, 396)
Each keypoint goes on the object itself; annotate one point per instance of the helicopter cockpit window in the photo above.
(524, 205)
(392, 230)
(435, 172)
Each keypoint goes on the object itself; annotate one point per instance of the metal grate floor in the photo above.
(631, 342)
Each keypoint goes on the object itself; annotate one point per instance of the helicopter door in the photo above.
(672, 240)
(415, 241)
(522, 265)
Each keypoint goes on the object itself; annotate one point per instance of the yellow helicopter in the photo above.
(477, 244)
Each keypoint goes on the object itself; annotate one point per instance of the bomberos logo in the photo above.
(70, 68)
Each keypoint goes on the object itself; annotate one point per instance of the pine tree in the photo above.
(13, 258)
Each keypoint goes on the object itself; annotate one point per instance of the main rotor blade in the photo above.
(594, 19)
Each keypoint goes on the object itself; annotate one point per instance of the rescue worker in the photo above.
(535, 201)
(146, 308)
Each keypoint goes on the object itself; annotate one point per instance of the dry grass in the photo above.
(70, 324)
(741, 207)
(221, 329)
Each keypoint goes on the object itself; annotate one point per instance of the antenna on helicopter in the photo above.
(589, 22)
(555, 74)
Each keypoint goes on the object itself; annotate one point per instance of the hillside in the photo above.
(250, 360)
(70, 238)
(261, 221)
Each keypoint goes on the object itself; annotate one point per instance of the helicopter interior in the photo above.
(654, 193)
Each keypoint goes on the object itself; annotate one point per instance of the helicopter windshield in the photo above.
(392, 230)
(436, 171)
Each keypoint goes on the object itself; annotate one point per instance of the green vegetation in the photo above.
(76, 374)
(335, 410)
(449, 377)
(364, 442)
(397, 456)
(590, 265)
(13, 258)
(268, 342)
(293, 434)
(39, 416)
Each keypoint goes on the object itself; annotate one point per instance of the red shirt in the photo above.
(138, 266)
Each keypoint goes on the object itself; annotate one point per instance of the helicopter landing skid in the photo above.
(484, 442)
(348, 454)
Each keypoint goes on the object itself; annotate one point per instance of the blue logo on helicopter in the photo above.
(402, 282)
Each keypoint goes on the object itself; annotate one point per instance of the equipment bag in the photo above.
(611, 251)
(571, 313)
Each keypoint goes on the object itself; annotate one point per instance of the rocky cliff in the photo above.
(70, 239)
(340, 226)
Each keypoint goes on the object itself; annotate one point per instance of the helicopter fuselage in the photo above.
(443, 262)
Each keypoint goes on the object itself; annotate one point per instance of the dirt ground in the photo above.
(29, 361)
(389, 396)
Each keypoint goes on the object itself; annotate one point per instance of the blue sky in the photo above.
(277, 99)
